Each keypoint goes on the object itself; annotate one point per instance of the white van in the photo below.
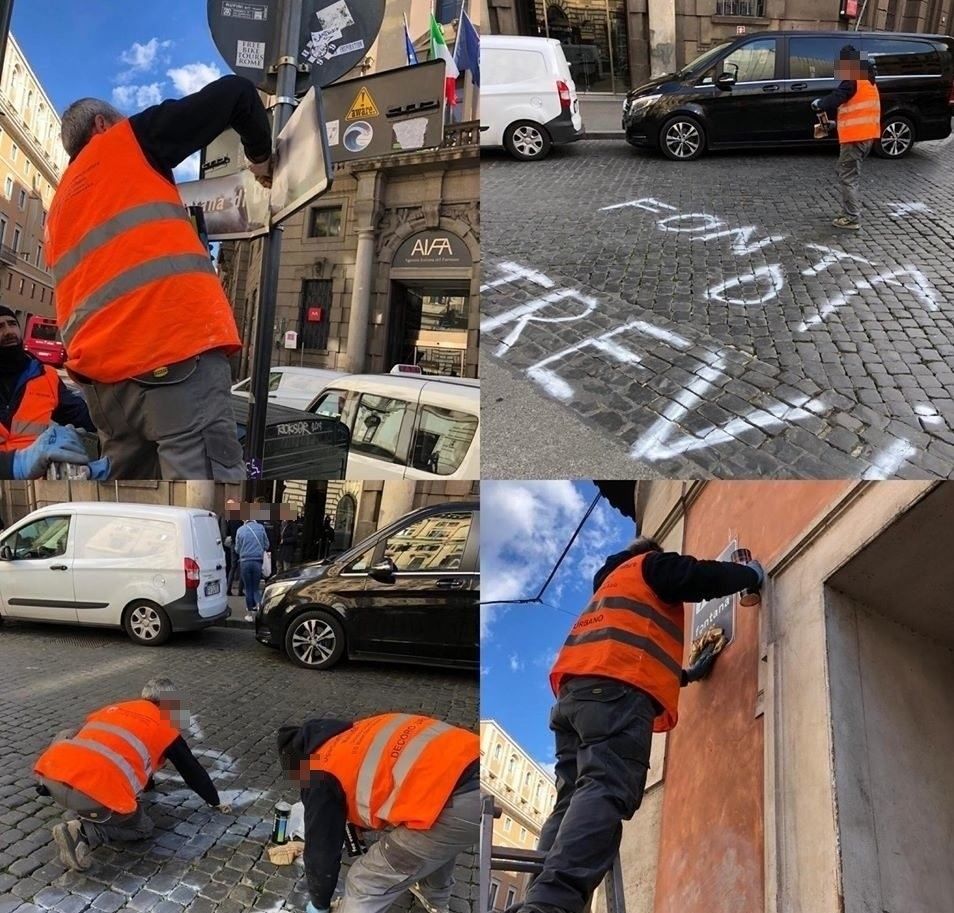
(407, 426)
(150, 570)
(528, 100)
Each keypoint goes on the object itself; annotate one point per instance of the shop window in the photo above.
(377, 428)
(442, 439)
(313, 316)
(324, 222)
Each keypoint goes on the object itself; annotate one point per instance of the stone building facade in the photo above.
(32, 161)
(615, 45)
(525, 794)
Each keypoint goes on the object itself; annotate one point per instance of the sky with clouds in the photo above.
(524, 527)
(132, 54)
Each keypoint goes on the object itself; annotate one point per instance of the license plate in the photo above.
(212, 589)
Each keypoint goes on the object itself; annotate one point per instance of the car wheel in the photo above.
(527, 141)
(146, 624)
(682, 138)
(315, 640)
(897, 138)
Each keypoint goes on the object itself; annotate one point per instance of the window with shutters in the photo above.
(315, 302)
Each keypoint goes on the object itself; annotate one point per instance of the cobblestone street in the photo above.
(708, 319)
(239, 693)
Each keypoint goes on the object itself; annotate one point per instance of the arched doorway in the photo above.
(344, 523)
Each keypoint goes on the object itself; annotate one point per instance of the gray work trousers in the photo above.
(603, 731)
(100, 824)
(402, 857)
(850, 157)
(182, 430)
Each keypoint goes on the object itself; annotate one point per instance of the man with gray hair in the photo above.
(144, 318)
(100, 771)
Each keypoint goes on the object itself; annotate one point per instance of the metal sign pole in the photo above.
(286, 70)
(6, 14)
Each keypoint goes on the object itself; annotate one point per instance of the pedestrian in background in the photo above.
(288, 544)
(856, 105)
(326, 537)
(251, 544)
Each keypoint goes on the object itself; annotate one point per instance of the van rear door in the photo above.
(209, 554)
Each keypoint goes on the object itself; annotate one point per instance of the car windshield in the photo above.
(703, 60)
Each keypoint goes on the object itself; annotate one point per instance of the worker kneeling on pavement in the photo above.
(617, 680)
(100, 771)
(143, 315)
(415, 775)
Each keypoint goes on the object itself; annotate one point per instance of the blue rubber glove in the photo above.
(57, 444)
(311, 908)
(758, 570)
(99, 470)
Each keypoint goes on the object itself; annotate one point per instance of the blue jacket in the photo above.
(251, 541)
(71, 410)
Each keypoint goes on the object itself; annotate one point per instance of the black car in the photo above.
(408, 593)
(757, 90)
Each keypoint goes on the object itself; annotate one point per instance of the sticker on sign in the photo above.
(250, 54)
(363, 106)
(333, 132)
(255, 11)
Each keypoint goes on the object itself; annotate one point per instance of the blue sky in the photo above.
(132, 54)
(524, 527)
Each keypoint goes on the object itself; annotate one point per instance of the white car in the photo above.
(291, 386)
(407, 426)
(528, 99)
(150, 570)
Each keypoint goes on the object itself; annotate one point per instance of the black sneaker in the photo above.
(74, 850)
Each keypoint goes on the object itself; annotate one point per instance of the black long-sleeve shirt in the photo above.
(844, 91)
(193, 774)
(682, 578)
(175, 129)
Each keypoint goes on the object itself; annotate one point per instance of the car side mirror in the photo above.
(726, 80)
(6, 553)
(383, 571)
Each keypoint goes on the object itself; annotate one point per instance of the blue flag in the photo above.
(409, 48)
(467, 48)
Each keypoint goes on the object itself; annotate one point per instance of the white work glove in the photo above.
(262, 171)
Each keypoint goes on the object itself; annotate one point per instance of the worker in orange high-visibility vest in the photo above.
(415, 777)
(142, 312)
(100, 771)
(33, 400)
(856, 106)
(617, 680)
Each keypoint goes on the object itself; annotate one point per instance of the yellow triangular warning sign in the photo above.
(362, 106)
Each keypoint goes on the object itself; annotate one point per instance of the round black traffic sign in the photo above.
(334, 36)
(246, 34)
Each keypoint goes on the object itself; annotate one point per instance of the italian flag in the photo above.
(439, 51)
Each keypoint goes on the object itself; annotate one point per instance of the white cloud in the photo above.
(193, 76)
(516, 665)
(527, 525)
(142, 58)
(549, 767)
(188, 170)
(135, 98)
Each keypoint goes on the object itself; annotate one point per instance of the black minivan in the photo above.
(407, 593)
(756, 90)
